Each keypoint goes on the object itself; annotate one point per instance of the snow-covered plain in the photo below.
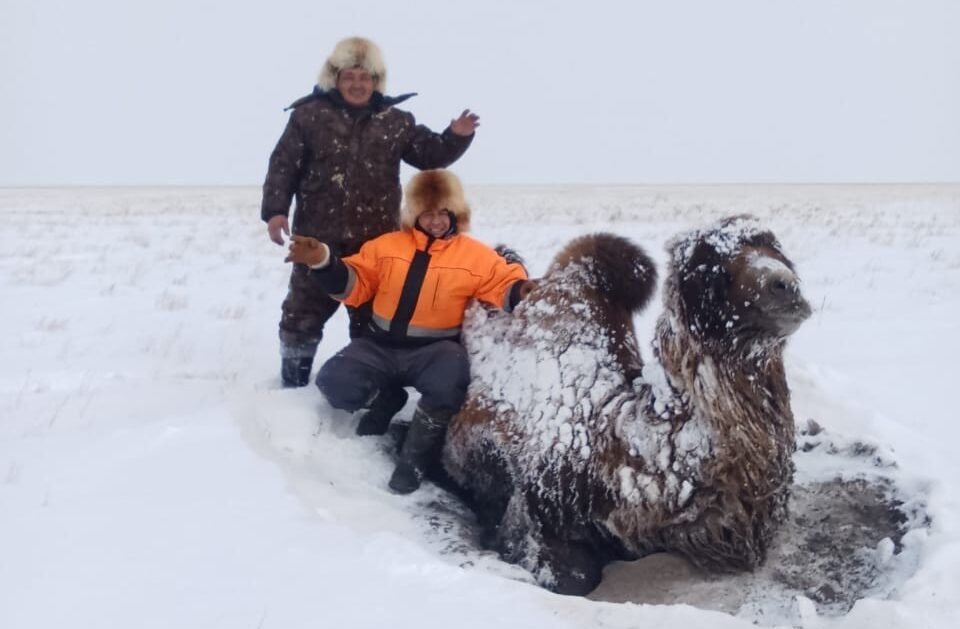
(153, 473)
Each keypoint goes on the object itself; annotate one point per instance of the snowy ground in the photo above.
(152, 473)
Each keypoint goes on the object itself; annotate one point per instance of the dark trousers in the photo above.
(305, 311)
(439, 371)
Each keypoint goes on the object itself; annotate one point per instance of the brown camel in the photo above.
(574, 453)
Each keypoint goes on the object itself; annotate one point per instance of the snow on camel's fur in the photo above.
(574, 453)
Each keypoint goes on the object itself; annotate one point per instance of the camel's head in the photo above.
(732, 282)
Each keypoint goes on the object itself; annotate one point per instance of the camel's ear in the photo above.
(704, 286)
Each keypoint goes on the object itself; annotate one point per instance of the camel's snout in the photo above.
(784, 300)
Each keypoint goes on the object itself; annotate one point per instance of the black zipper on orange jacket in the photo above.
(410, 293)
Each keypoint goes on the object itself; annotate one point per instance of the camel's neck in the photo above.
(739, 392)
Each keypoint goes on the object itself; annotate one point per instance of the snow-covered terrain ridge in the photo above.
(153, 475)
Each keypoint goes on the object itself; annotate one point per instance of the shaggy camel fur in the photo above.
(573, 453)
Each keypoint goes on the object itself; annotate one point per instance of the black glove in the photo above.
(508, 254)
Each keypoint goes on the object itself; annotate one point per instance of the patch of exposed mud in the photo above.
(844, 540)
(832, 550)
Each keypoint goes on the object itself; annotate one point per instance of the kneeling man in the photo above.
(420, 280)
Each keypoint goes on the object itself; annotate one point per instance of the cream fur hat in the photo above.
(354, 52)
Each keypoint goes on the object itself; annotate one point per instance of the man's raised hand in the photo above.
(466, 124)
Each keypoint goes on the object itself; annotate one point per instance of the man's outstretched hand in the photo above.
(307, 250)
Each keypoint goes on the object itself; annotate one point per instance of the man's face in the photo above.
(434, 222)
(355, 85)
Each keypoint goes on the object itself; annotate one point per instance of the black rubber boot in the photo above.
(295, 372)
(422, 444)
(376, 419)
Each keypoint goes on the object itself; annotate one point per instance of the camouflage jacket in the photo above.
(342, 164)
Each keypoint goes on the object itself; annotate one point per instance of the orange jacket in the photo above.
(458, 269)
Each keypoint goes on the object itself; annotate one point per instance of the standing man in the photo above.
(339, 156)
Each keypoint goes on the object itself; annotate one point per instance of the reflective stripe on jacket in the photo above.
(458, 269)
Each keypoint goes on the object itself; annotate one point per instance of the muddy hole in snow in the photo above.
(842, 542)
(847, 537)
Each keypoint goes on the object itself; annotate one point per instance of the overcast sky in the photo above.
(681, 91)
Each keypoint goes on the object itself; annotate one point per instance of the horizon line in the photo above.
(488, 184)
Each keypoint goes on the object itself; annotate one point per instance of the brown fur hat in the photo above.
(354, 52)
(431, 190)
